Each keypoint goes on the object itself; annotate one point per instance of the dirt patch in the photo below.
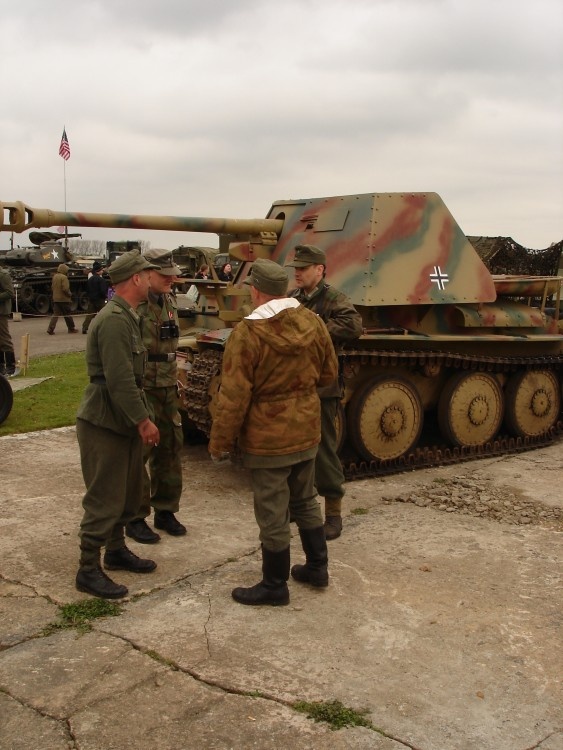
(480, 497)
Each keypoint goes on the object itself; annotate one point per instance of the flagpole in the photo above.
(64, 184)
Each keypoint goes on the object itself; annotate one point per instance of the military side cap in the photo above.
(268, 277)
(307, 255)
(163, 258)
(127, 265)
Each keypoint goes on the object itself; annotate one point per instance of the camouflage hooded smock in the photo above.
(273, 362)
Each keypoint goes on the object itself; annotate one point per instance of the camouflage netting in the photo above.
(502, 255)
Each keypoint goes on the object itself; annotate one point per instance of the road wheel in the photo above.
(42, 304)
(340, 423)
(532, 403)
(83, 301)
(385, 418)
(470, 409)
(26, 294)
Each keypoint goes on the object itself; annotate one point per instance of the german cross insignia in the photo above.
(439, 277)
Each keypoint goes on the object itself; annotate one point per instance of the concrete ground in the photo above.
(442, 621)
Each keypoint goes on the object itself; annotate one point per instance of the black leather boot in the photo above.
(94, 581)
(124, 559)
(272, 589)
(315, 570)
(140, 531)
(167, 521)
(10, 360)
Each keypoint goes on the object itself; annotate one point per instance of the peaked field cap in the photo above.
(268, 277)
(97, 266)
(163, 259)
(128, 265)
(307, 255)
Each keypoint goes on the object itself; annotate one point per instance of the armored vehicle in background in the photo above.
(454, 362)
(32, 269)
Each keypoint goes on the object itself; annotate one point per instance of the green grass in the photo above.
(336, 715)
(79, 615)
(359, 511)
(52, 403)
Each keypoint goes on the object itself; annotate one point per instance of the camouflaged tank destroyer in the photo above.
(32, 269)
(453, 362)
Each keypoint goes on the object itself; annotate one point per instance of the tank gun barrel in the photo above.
(18, 217)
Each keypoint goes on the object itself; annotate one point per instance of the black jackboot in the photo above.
(10, 366)
(315, 570)
(92, 580)
(272, 589)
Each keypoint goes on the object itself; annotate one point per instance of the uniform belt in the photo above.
(170, 357)
(100, 380)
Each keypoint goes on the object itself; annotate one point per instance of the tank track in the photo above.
(208, 365)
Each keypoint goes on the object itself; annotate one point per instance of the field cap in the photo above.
(307, 255)
(268, 277)
(97, 266)
(127, 265)
(163, 258)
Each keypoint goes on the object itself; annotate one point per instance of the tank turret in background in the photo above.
(454, 361)
(32, 269)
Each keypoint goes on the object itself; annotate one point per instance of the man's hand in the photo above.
(149, 432)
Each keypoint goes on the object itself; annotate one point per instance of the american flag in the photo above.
(64, 148)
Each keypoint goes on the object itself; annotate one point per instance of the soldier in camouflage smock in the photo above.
(160, 336)
(344, 323)
(113, 423)
(274, 360)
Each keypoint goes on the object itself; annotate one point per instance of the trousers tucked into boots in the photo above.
(272, 589)
(315, 570)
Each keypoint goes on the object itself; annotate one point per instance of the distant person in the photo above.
(97, 291)
(203, 272)
(113, 424)
(226, 273)
(274, 360)
(62, 296)
(344, 323)
(160, 336)
(7, 294)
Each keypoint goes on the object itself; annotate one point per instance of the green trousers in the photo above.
(112, 467)
(279, 491)
(329, 478)
(163, 489)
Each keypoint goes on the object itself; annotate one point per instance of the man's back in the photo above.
(274, 361)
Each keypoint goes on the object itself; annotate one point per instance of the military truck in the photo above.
(190, 257)
(32, 269)
(454, 363)
(115, 249)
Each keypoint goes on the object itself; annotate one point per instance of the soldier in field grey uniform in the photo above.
(113, 423)
(344, 323)
(160, 336)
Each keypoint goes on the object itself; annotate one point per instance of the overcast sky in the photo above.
(220, 107)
